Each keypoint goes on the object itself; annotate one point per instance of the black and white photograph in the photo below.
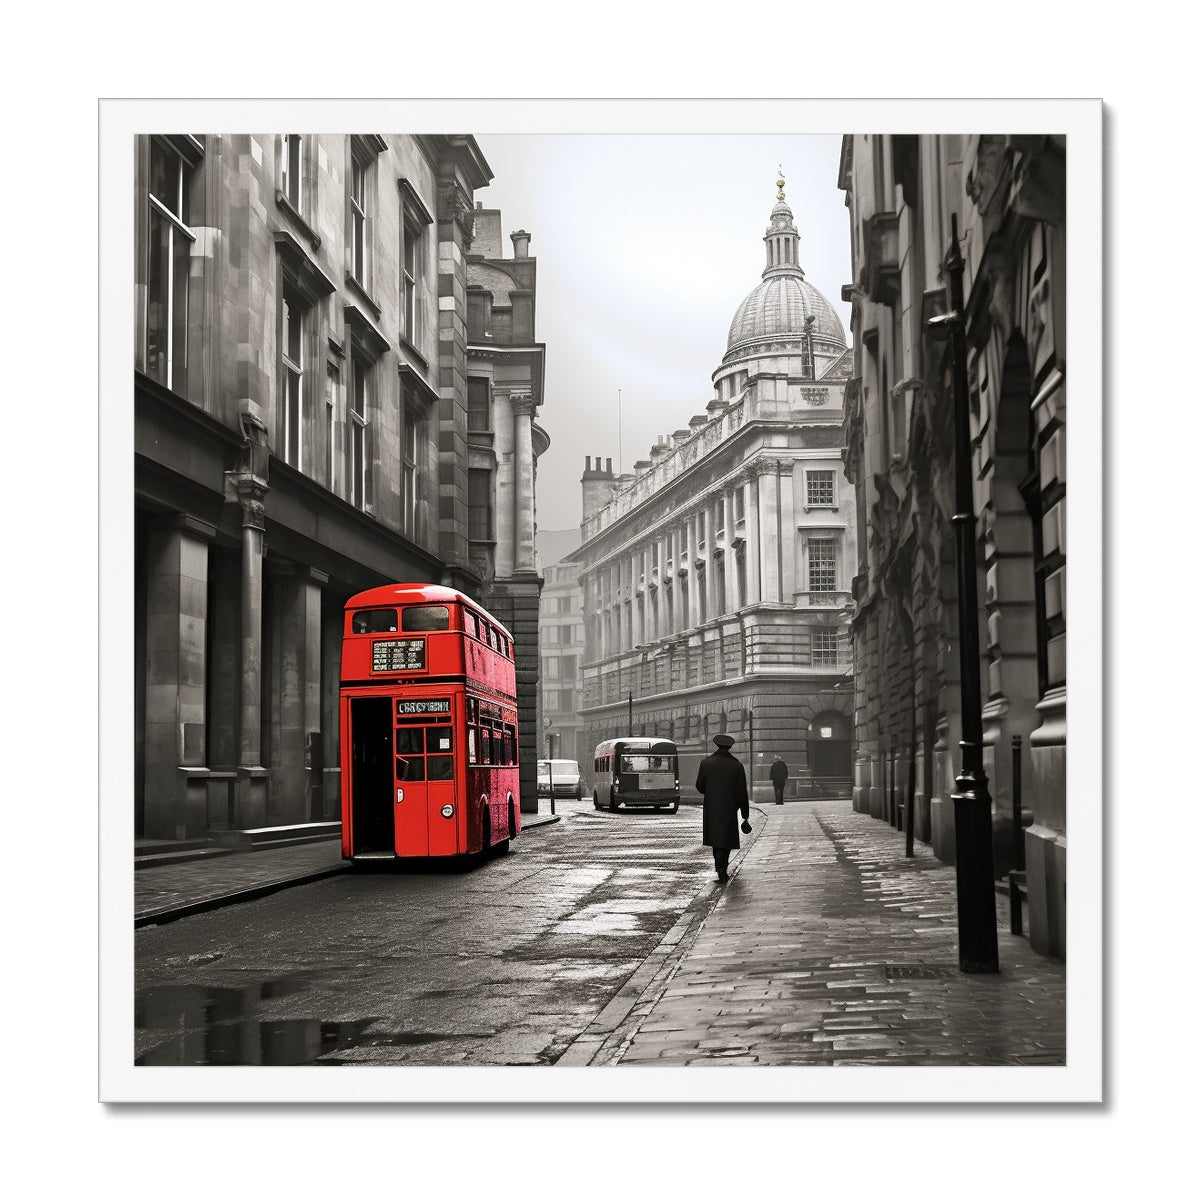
(597, 603)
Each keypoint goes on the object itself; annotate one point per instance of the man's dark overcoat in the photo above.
(722, 783)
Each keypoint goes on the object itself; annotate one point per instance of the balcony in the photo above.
(820, 599)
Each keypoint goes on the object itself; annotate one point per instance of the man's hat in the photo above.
(723, 740)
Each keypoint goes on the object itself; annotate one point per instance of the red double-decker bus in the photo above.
(428, 726)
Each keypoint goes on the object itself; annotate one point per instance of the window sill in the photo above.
(361, 292)
(413, 352)
(282, 202)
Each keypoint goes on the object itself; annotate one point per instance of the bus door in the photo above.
(371, 775)
(426, 806)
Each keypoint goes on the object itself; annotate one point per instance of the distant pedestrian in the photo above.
(779, 774)
(722, 783)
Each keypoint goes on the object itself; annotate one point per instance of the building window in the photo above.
(358, 420)
(293, 342)
(409, 461)
(170, 250)
(410, 278)
(820, 489)
(479, 505)
(363, 151)
(551, 701)
(825, 648)
(822, 565)
(291, 169)
(333, 407)
(550, 668)
(739, 504)
(479, 409)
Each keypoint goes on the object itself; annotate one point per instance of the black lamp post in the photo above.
(977, 949)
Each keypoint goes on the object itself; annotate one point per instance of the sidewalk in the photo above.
(202, 876)
(828, 946)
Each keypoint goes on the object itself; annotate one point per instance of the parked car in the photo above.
(563, 774)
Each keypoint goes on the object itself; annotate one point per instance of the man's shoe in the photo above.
(722, 876)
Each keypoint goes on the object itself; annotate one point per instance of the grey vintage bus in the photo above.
(638, 772)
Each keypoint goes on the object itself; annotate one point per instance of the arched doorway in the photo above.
(829, 759)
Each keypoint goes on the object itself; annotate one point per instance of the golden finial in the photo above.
(779, 184)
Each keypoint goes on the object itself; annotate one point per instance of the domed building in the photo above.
(716, 576)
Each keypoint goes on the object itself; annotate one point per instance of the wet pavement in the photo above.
(827, 947)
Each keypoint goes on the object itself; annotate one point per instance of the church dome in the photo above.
(781, 306)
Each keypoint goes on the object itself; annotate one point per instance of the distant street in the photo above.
(505, 963)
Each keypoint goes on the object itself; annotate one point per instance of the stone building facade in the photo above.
(505, 378)
(561, 640)
(301, 433)
(1007, 197)
(716, 576)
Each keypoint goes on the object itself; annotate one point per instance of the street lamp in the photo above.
(977, 950)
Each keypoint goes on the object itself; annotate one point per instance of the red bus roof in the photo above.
(419, 593)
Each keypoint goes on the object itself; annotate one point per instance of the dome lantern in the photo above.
(785, 308)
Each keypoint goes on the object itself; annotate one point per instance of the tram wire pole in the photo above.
(977, 946)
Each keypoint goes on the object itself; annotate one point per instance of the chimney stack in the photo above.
(520, 241)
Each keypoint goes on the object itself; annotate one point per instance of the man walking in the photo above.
(779, 774)
(722, 783)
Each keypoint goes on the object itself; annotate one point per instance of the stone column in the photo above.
(787, 531)
(732, 600)
(695, 583)
(296, 658)
(753, 564)
(523, 409)
(176, 676)
(251, 803)
(768, 512)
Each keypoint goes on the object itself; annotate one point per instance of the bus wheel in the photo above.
(486, 836)
(612, 802)
(595, 800)
(503, 847)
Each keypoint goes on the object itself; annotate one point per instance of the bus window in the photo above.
(472, 625)
(374, 620)
(438, 741)
(471, 744)
(425, 618)
(409, 741)
(634, 762)
(441, 766)
(412, 770)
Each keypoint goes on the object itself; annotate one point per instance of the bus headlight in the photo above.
(447, 810)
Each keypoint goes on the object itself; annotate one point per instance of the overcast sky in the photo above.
(645, 245)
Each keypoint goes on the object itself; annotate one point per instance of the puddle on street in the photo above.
(217, 1027)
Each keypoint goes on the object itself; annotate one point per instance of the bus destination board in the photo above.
(405, 655)
(422, 708)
